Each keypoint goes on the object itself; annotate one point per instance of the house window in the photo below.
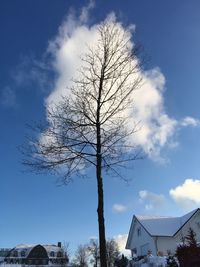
(59, 254)
(139, 231)
(52, 254)
(15, 253)
(23, 253)
(134, 250)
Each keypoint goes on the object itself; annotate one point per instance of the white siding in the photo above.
(194, 223)
(166, 244)
(143, 242)
(171, 243)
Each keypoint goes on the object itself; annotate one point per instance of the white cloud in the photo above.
(66, 50)
(187, 195)
(190, 121)
(121, 241)
(84, 16)
(151, 200)
(157, 128)
(119, 208)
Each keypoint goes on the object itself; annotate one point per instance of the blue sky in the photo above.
(36, 210)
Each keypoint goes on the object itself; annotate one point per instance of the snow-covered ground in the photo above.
(3, 264)
(152, 261)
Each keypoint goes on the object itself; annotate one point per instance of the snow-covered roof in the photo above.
(160, 226)
(26, 248)
(53, 248)
(164, 226)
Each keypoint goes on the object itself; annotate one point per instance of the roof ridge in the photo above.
(154, 217)
(162, 216)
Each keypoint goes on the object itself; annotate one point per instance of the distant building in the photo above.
(3, 254)
(161, 233)
(35, 255)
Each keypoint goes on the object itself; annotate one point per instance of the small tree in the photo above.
(188, 253)
(190, 238)
(91, 126)
(123, 262)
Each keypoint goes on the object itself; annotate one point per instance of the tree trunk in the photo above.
(100, 211)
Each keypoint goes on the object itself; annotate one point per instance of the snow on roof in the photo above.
(24, 246)
(164, 226)
(53, 248)
(28, 247)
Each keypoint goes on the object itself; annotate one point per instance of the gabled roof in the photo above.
(161, 226)
(164, 226)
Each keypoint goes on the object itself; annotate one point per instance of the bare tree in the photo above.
(91, 126)
(81, 256)
(66, 249)
(112, 249)
(112, 252)
(93, 249)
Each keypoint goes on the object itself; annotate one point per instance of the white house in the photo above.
(161, 233)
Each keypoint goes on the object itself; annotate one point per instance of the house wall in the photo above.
(166, 244)
(141, 240)
(194, 223)
(170, 243)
